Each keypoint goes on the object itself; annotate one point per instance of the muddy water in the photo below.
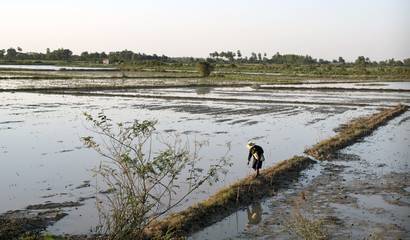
(45, 162)
(295, 96)
(365, 192)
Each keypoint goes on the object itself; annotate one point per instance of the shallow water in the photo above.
(44, 158)
(52, 67)
(384, 152)
(366, 85)
(297, 96)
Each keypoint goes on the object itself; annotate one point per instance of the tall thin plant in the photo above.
(145, 185)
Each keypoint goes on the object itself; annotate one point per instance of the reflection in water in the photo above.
(54, 68)
(203, 90)
(254, 216)
(52, 159)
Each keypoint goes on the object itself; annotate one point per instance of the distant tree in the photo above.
(210, 60)
(222, 54)
(362, 61)
(214, 54)
(341, 60)
(398, 63)
(164, 58)
(19, 49)
(259, 56)
(253, 57)
(2, 52)
(229, 55)
(239, 54)
(11, 53)
(94, 55)
(64, 54)
(277, 58)
(204, 68)
(85, 56)
(103, 55)
(406, 62)
(126, 55)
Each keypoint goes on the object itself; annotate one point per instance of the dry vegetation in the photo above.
(227, 200)
(352, 132)
(244, 192)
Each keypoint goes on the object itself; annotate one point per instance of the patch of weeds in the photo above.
(226, 200)
(375, 235)
(302, 222)
(333, 220)
(44, 236)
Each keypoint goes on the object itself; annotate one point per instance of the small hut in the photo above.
(106, 61)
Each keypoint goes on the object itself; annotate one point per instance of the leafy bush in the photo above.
(143, 184)
(204, 68)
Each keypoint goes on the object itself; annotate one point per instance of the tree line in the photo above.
(214, 57)
(294, 59)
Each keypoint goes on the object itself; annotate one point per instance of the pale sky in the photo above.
(378, 29)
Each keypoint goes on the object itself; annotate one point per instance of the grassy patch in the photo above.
(352, 132)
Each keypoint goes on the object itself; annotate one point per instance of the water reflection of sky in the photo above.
(52, 67)
(385, 151)
(363, 85)
(42, 155)
(285, 96)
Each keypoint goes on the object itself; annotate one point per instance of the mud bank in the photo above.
(369, 207)
(249, 190)
(352, 132)
(230, 195)
(33, 220)
(230, 199)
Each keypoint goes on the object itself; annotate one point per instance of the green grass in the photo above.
(314, 69)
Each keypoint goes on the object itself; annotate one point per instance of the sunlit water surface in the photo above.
(44, 160)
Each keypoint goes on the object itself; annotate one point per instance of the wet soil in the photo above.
(244, 192)
(228, 112)
(363, 193)
(364, 207)
(33, 220)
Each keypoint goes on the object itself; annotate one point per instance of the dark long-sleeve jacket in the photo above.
(255, 149)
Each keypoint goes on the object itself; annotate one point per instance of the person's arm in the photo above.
(249, 156)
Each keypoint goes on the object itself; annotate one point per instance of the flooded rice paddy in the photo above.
(364, 193)
(44, 160)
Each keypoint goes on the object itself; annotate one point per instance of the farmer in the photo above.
(257, 153)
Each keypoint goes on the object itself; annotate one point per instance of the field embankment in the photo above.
(244, 192)
(352, 132)
(227, 200)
